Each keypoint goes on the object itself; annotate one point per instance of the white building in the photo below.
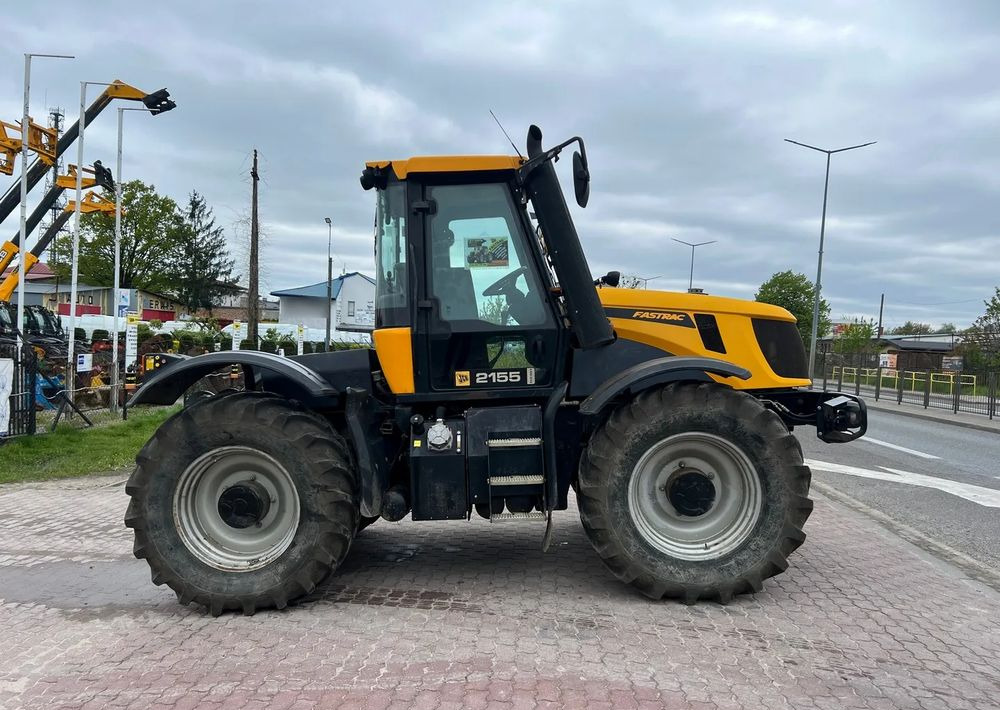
(352, 306)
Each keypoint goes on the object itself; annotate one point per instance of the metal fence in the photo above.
(21, 419)
(972, 392)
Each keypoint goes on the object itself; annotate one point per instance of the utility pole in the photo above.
(56, 116)
(252, 326)
(881, 305)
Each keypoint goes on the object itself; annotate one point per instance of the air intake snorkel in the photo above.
(539, 181)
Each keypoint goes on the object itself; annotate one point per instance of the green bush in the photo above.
(307, 347)
(246, 345)
(79, 335)
(225, 342)
(269, 346)
(144, 333)
(100, 335)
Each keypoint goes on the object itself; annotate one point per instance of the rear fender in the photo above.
(285, 377)
(657, 372)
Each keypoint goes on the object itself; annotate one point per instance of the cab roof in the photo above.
(448, 164)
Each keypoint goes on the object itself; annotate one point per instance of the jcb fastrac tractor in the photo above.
(501, 377)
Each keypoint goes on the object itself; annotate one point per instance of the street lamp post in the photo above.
(74, 263)
(116, 323)
(25, 119)
(329, 279)
(697, 244)
(822, 234)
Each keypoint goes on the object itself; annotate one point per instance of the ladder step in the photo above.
(531, 480)
(513, 443)
(533, 515)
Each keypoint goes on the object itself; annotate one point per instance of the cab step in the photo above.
(526, 480)
(533, 515)
(514, 442)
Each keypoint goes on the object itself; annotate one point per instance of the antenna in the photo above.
(506, 134)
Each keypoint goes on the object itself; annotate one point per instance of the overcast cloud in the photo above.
(683, 106)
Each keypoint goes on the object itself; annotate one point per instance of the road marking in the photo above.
(897, 447)
(989, 497)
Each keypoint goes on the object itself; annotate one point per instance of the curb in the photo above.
(926, 417)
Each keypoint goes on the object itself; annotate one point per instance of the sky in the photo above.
(683, 106)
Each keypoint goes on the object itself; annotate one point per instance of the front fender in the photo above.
(656, 372)
(287, 377)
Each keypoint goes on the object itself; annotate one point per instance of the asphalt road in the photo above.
(937, 485)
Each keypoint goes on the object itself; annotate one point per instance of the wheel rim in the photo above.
(236, 509)
(695, 496)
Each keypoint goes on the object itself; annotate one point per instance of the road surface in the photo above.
(940, 481)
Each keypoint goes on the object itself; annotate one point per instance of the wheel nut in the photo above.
(681, 464)
(709, 475)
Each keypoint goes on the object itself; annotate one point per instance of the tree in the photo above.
(913, 328)
(948, 328)
(983, 338)
(153, 235)
(855, 338)
(795, 293)
(203, 270)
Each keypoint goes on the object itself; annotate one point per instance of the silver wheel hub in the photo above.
(695, 496)
(236, 508)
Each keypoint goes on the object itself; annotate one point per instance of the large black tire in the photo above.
(612, 505)
(305, 484)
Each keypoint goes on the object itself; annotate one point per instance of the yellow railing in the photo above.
(914, 381)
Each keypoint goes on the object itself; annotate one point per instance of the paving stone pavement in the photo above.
(449, 615)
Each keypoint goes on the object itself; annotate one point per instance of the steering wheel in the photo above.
(504, 283)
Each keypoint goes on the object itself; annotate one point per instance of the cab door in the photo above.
(485, 322)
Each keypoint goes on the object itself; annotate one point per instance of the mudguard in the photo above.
(294, 379)
(656, 372)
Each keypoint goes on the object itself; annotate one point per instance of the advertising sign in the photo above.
(131, 338)
(6, 387)
(887, 361)
(237, 334)
(952, 363)
(300, 338)
(123, 302)
(84, 362)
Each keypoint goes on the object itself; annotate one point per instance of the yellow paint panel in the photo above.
(732, 315)
(448, 164)
(394, 347)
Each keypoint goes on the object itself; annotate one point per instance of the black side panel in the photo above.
(342, 368)
(782, 347)
(708, 329)
(591, 368)
(437, 476)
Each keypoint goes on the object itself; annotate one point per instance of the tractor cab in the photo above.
(463, 291)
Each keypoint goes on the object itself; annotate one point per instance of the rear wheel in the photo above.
(694, 491)
(243, 502)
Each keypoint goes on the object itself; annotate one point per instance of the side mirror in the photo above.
(581, 179)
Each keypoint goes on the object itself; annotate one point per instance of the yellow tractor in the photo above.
(503, 377)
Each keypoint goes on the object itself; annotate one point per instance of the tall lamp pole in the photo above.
(329, 278)
(116, 324)
(822, 234)
(25, 120)
(693, 246)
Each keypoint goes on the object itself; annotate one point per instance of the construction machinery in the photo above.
(502, 377)
(49, 150)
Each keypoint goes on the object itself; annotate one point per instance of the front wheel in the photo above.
(694, 491)
(243, 502)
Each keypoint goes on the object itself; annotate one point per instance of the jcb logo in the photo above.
(462, 378)
(653, 315)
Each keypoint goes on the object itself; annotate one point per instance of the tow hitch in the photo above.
(841, 419)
